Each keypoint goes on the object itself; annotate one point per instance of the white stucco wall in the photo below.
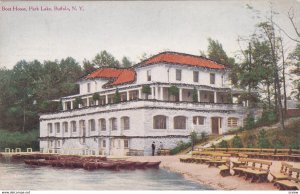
(167, 73)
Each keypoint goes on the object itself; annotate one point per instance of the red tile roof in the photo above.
(115, 76)
(182, 59)
(126, 76)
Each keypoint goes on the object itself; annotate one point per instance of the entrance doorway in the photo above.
(216, 125)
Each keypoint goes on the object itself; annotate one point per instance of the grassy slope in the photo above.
(287, 137)
(17, 139)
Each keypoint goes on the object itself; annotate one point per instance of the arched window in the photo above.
(65, 127)
(125, 123)
(57, 127)
(82, 124)
(113, 124)
(232, 122)
(92, 125)
(160, 122)
(73, 126)
(180, 122)
(198, 120)
(102, 124)
(50, 130)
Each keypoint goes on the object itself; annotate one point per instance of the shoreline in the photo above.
(202, 174)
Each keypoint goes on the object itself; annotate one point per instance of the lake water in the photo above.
(18, 176)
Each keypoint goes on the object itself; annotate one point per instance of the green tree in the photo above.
(117, 96)
(294, 58)
(216, 52)
(174, 91)
(195, 95)
(223, 144)
(126, 62)
(146, 90)
(78, 101)
(263, 141)
(88, 67)
(250, 123)
(105, 59)
(96, 97)
(193, 136)
(237, 142)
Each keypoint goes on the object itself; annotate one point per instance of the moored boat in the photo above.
(140, 165)
(152, 164)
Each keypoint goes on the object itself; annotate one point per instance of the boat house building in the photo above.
(162, 99)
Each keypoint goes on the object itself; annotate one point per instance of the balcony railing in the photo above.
(141, 103)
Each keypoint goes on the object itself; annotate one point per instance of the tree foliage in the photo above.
(126, 62)
(105, 59)
(195, 95)
(263, 140)
(30, 87)
(117, 96)
(237, 142)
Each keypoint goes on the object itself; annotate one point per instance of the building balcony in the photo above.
(143, 103)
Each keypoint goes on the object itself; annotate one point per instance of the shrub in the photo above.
(180, 146)
(96, 97)
(117, 96)
(277, 144)
(146, 90)
(237, 142)
(203, 135)
(195, 95)
(193, 135)
(263, 140)
(173, 91)
(223, 144)
(250, 123)
(78, 100)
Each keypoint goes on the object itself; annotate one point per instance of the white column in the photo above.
(87, 101)
(180, 94)
(140, 93)
(127, 95)
(106, 99)
(215, 97)
(152, 93)
(72, 104)
(64, 105)
(161, 93)
(199, 96)
(156, 93)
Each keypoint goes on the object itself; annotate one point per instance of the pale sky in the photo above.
(129, 28)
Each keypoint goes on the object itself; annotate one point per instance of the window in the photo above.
(57, 127)
(212, 78)
(65, 127)
(178, 74)
(198, 120)
(102, 124)
(149, 75)
(73, 126)
(125, 123)
(232, 122)
(49, 126)
(88, 87)
(160, 122)
(104, 143)
(82, 126)
(180, 122)
(92, 125)
(58, 143)
(196, 76)
(113, 124)
(126, 143)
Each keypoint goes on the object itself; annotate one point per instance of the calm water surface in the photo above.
(18, 176)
